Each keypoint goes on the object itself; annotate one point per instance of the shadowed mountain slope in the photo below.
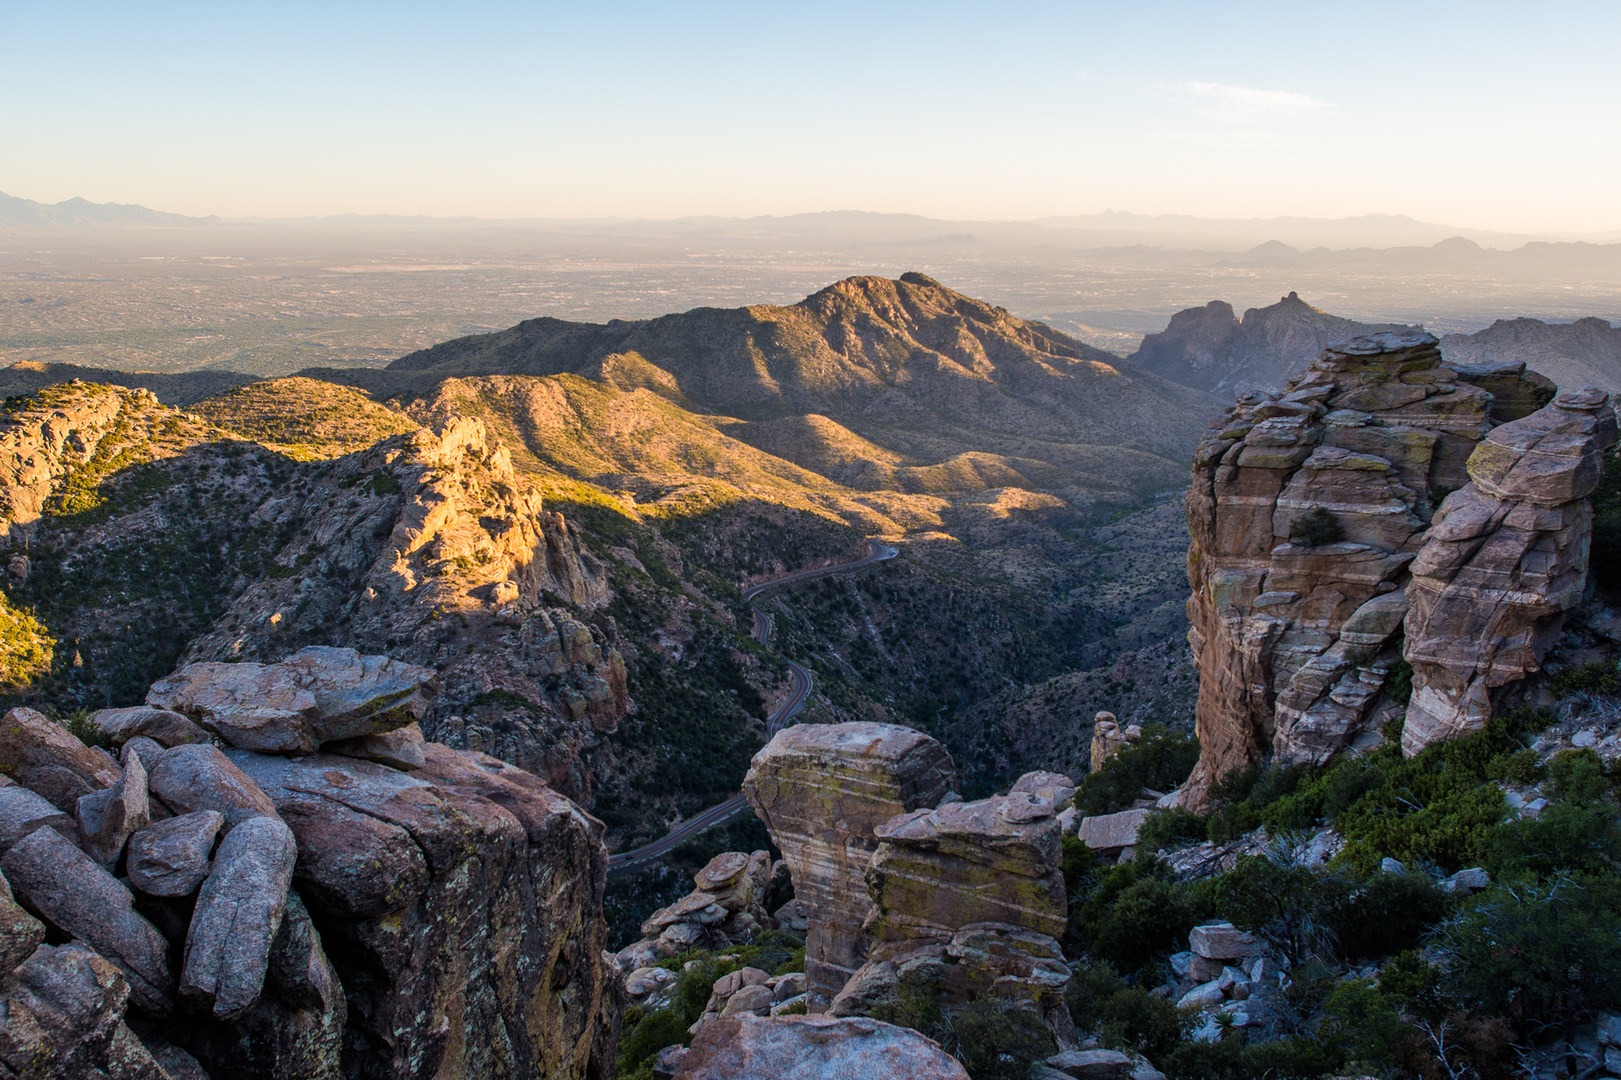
(1212, 349)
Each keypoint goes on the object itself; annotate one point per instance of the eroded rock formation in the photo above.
(823, 791)
(1504, 561)
(970, 896)
(317, 916)
(1307, 513)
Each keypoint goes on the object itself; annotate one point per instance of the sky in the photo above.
(1483, 114)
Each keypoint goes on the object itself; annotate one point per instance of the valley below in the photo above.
(845, 660)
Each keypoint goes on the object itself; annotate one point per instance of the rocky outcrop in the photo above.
(1307, 513)
(316, 696)
(969, 897)
(1212, 349)
(726, 907)
(50, 439)
(355, 919)
(823, 791)
(432, 548)
(813, 1048)
(1503, 563)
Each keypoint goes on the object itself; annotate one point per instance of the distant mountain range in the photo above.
(81, 212)
(1210, 348)
(1283, 238)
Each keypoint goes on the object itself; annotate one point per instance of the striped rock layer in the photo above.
(1311, 518)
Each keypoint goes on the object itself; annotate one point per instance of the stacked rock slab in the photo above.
(822, 791)
(726, 907)
(1503, 563)
(747, 1047)
(972, 893)
(313, 916)
(1306, 509)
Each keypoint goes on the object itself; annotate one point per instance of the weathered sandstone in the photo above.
(814, 1048)
(972, 892)
(822, 791)
(1307, 511)
(1504, 561)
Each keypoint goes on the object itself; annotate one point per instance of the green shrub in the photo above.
(1360, 1024)
(992, 1038)
(1386, 914)
(1435, 807)
(1080, 866)
(1538, 954)
(1133, 1019)
(1580, 838)
(1601, 677)
(1520, 767)
(1166, 828)
(1159, 761)
(1578, 776)
(996, 1040)
(1136, 914)
(1316, 527)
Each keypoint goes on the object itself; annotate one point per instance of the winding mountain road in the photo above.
(627, 861)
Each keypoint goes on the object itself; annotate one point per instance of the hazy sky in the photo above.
(1487, 115)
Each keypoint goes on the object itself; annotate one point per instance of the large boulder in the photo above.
(463, 899)
(46, 758)
(173, 856)
(971, 895)
(167, 728)
(20, 932)
(822, 791)
(65, 888)
(238, 914)
(188, 779)
(62, 1015)
(22, 811)
(317, 695)
(745, 1047)
(107, 818)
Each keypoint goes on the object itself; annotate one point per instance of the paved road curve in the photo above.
(635, 859)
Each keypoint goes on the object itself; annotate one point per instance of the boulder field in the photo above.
(206, 904)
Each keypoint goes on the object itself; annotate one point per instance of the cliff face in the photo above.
(1307, 511)
(1505, 559)
(356, 911)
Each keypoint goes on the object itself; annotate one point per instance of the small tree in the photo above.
(1316, 527)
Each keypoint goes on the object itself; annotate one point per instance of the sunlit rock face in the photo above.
(823, 791)
(1503, 563)
(1307, 511)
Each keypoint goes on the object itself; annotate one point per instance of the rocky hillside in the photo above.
(1210, 349)
(1586, 352)
(559, 518)
(1213, 349)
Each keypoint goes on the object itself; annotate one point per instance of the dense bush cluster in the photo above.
(1389, 975)
(647, 1031)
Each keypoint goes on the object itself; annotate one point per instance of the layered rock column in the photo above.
(822, 791)
(973, 893)
(1305, 510)
(1503, 563)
